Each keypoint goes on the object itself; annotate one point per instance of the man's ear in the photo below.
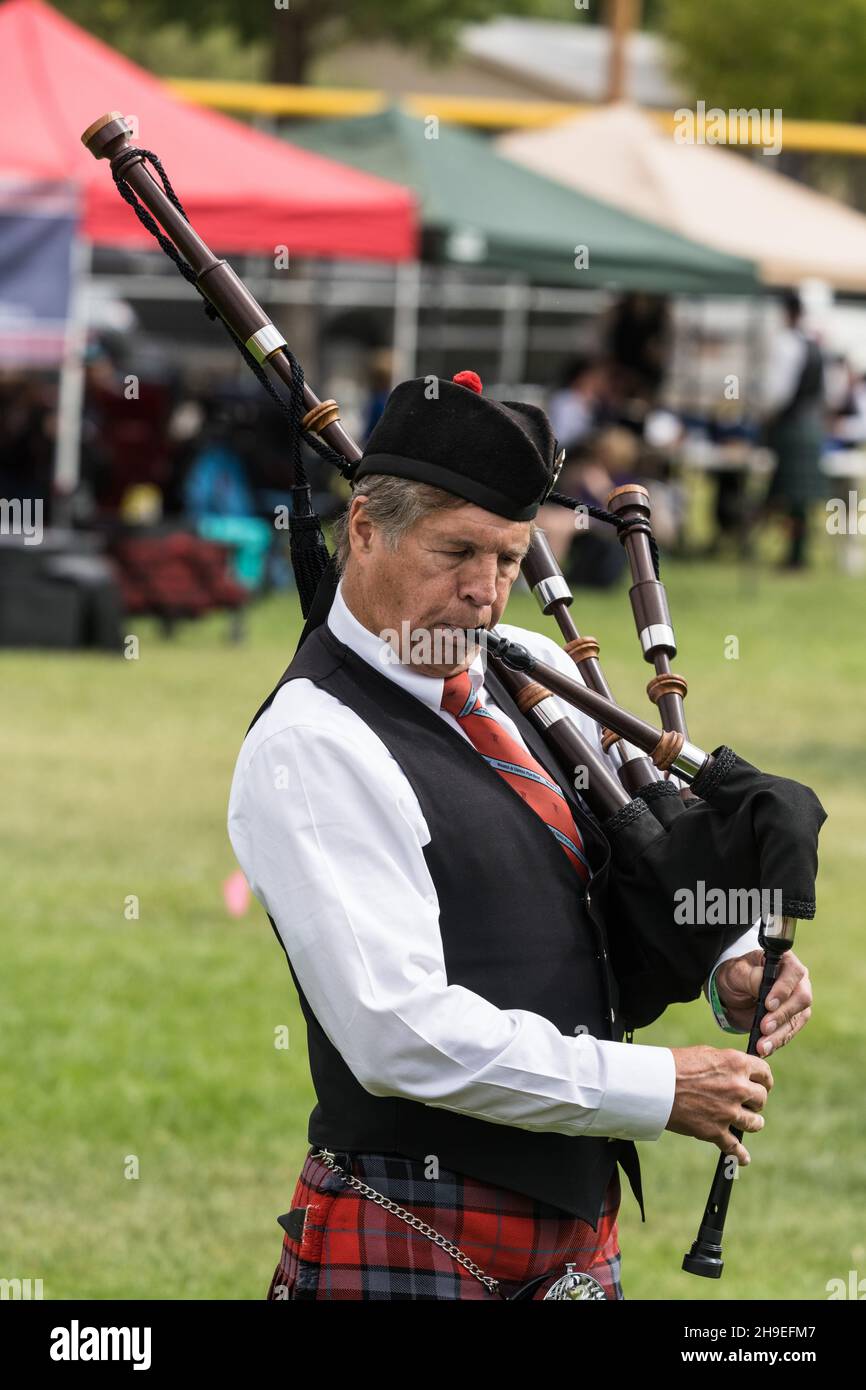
(360, 527)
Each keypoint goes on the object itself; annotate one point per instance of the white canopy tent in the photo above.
(723, 200)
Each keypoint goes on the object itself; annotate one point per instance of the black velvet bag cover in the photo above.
(751, 832)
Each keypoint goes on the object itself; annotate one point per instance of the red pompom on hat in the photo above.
(471, 380)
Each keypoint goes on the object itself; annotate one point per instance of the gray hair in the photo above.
(394, 505)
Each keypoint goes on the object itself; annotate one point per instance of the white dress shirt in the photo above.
(330, 836)
(784, 367)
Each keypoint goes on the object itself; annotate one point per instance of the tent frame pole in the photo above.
(407, 299)
(515, 332)
(70, 405)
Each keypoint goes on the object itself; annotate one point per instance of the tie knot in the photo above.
(457, 694)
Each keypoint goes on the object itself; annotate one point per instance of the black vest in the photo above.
(517, 928)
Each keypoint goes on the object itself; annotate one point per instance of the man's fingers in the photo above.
(784, 1035)
(748, 1120)
(755, 1098)
(778, 1026)
(799, 997)
(747, 979)
(792, 976)
(729, 1144)
(759, 1071)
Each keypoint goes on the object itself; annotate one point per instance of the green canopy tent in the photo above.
(480, 208)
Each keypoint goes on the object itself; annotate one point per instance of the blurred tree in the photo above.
(802, 57)
(300, 29)
(294, 32)
(161, 39)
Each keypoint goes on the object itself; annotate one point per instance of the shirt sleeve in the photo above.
(330, 838)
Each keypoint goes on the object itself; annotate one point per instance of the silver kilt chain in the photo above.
(326, 1157)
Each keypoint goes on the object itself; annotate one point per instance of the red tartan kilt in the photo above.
(352, 1248)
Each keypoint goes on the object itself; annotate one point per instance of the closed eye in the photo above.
(504, 559)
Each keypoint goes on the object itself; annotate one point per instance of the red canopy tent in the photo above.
(244, 191)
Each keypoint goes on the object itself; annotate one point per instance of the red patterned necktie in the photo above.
(517, 765)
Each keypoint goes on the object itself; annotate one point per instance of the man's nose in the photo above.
(478, 584)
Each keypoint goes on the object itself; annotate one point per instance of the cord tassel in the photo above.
(306, 545)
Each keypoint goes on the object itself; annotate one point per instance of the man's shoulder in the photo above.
(302, 711)
(312, 741)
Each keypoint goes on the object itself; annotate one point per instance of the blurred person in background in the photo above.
(848, 410)
(563, 527)
(217, 492)
(794, 427)
(379, 378)
(588, 550)
(574, 410)
(216, 483)
(733, 434)
(125, 436)
(639, 341)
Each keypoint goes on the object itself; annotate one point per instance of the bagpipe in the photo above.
(738, 834)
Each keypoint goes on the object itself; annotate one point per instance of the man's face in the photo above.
(453, 570)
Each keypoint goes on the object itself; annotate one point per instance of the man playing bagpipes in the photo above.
(471, 938)
(431, 874)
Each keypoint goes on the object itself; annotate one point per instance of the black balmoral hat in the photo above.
(501, 455)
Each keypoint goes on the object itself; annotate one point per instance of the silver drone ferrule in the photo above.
(689, 761)
(549, 591)
(548, 711)
(775, 928)
(658, 635)
(264, 342)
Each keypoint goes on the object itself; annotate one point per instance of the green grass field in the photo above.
(151, 1041)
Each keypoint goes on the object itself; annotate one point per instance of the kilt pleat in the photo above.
(349, 1247)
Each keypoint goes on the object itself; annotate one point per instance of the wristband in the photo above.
(718, 1010)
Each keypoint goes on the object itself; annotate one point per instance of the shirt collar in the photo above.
(379, 653)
